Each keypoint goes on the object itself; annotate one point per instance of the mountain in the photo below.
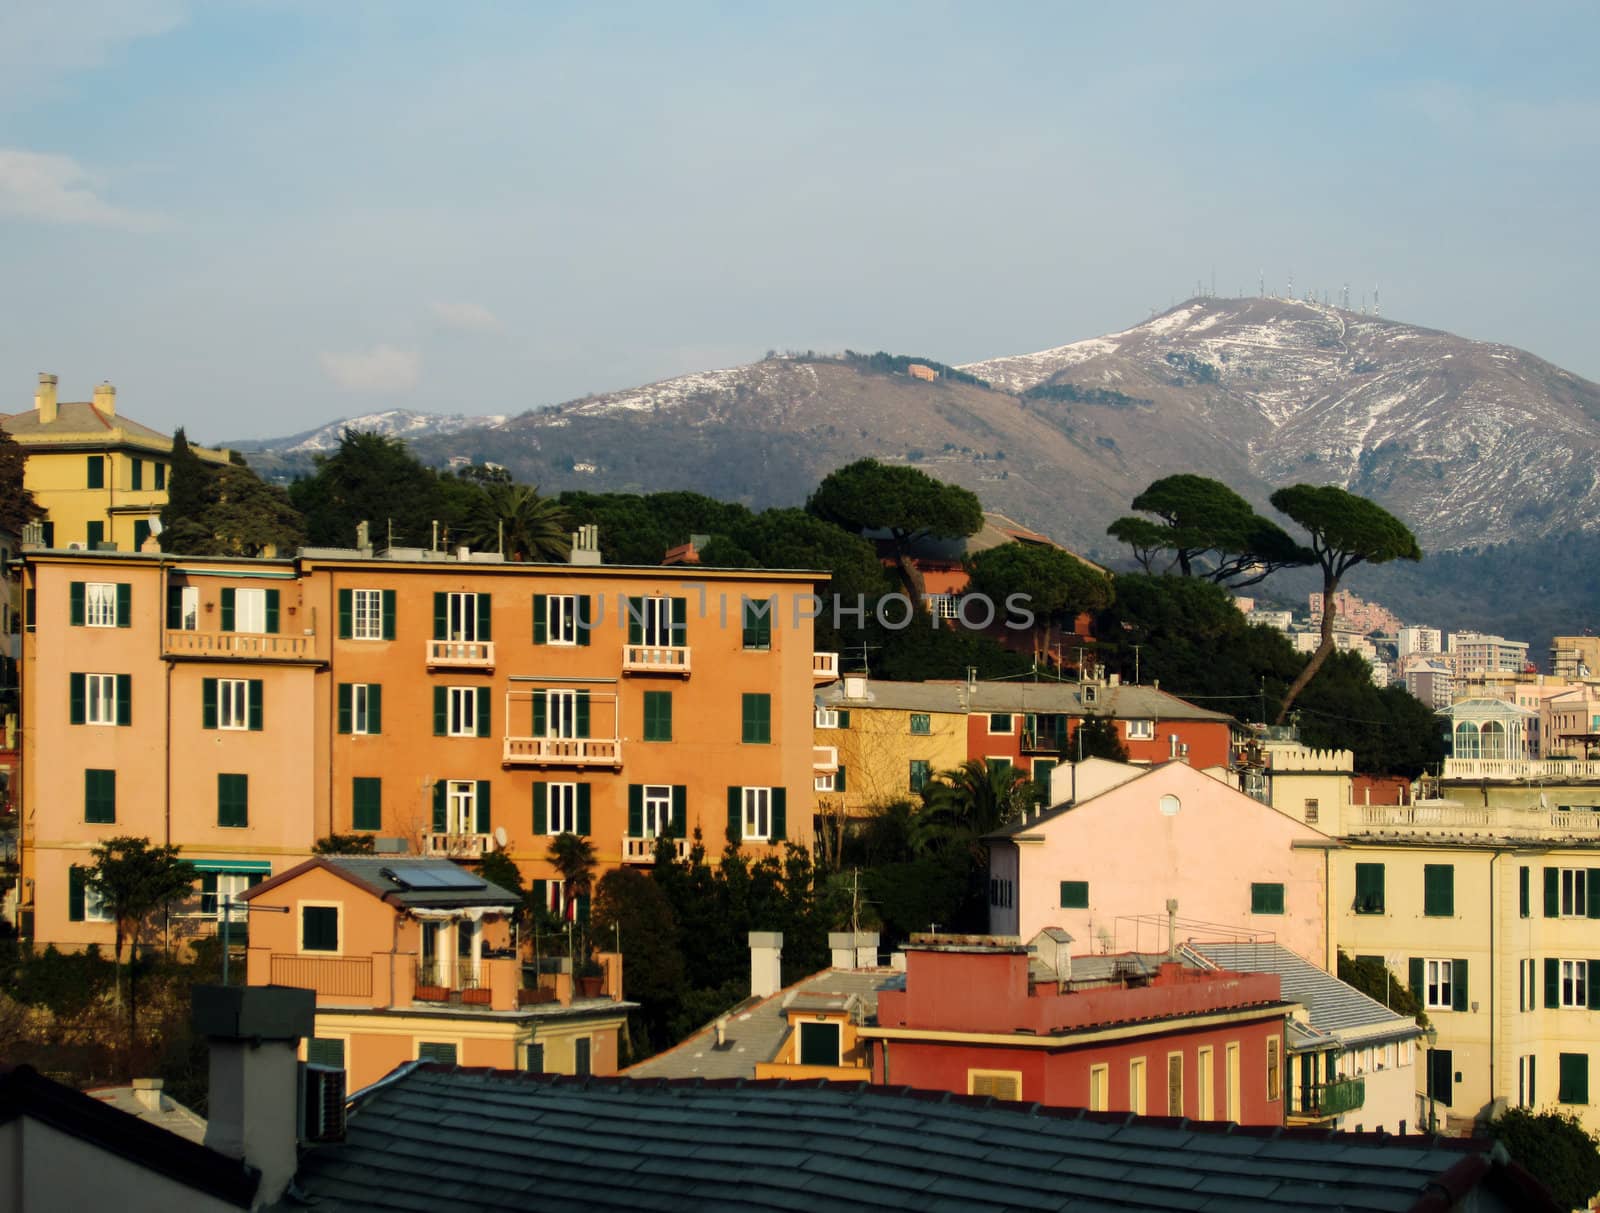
(1471, 443)
(277, 456)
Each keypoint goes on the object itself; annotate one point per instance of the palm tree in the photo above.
(530, 526)
(973, 800)
(573, 857)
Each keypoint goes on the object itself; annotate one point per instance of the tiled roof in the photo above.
(402, 881)
(1335, 1006)
(434, 1137)
(81, 417)
(1120, 702)
(754, 1029)
(173, 1116)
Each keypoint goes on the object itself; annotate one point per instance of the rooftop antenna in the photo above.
(1375, 310)
(1346, 298)
(1213, 280)
(1291, 284)
(1261, 284)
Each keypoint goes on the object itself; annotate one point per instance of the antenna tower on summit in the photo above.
(1375, 310)
(1261, 284)
(1346, 299)
(1291, 284)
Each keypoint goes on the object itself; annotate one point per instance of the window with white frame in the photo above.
(461, 616)
(563, 815)
(1141, 730)
(230, 887)
(1574, 892)
(250, 611)
(757, 814)
(100, 698)
(361, 703)
(658, 810)
(366, 620)
(1575, 983)
(827, 718)
(95, 906)
(655, 626)
(555, 896)
(463, 706)
(188, 608)
(562, 619)
(561, 714)
(233, 703)
(1001, 723)
(944, 606)
(1438, 985)
(100, 604)
(461, 806)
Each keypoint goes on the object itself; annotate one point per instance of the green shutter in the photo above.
(584, 821)
(441, 615)
(680, 622)
(1593, 985)
(541, 619)
(1552, 893)
(539, 713)
(124, 604)
(228, 599)
(100, 797)
(844, 718)
(541, 893)
(257, 707)
(585, 620)
(541, 807)
(1439, 890)
(635, 620)
(1552, 982)
(366, 801)
(1418, 979)
(582, 713)
(346, 698)
(347, 614)
(484, 602)
(838, 779)
(374, 707)
(1266, 898)
(233, 801)
(441, 711)
(273, 600)
(1574, 1078)
(580, 905)
(1592, 891)
(75, 618)
(658, 715)
(481, 808)
(482, 699)
(388, 614)
(441, 814)
(735, 815)
(756, 719)
(635, 810)
(680, 811)
(1524, 897)
(780, 814)
(125, 699)
(1074, 894)
(208, 703)
(174, 608)
(1369, 888)
(77, 698)
(97, 472)
(1459, 998)
(208, 893)
(75, 894)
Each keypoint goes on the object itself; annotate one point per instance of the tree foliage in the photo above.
(531, 527)
(17, 506)
(1096, 737)
(134, 880)
(224, 510)
(1381, 984)
(344, 844)
(371, 478)
(1209, 530)
(1555, 1147)
(1057, 585)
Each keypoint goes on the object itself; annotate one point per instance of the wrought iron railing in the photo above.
(335, 976)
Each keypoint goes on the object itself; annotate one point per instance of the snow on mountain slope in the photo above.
(397, 423)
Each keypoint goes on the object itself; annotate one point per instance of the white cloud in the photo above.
(466, 317)
(57, 189)
(42, 42)
(383, 368)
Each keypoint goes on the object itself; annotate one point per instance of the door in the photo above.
(1204, 1078)
(462, 617)
(1232, 1081)
(1442, 1069)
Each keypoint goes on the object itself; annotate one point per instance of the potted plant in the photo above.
(591, 978)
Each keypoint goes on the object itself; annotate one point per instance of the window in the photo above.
(921, 773)
(580, 1057)
(819, 1044)
(97, 471)
(366, 615)
(233, 703)
(563, 817)
(1230, 1090)
(561, 714)
(99, 797)
(1002, 893)
(825, 718)
(1574, 1078)
(757, 814)
(561, 619)
(319, 928)
(361, 708)
(1369, 888)
(1074, 894)
(656, 805)
(366, 803)
(997, 1084)
(1571, 893)
(443, 1053)
(1136, 1086)
(1574, 984)
(1438, 985)
(757, 632)
(100, 604)
(533, 1059)
(1274, 1069)
(1175, 1083)
(1571, 983)
(183, 608)
(461, 807)
(1000, 723)
(1313, 811)
(233, 801)
(1439, 890)
(94, 534)
(1141, 730)
(250, 611)
(658, 715)
(161, 475)
(220, 890)
(921, 724)
(138, 474)
(101, 698)
(1524, 892)
(656, 622)
(141, 532)
(460, 617)
(1205, 1099)
(1266, 899)
(1100, 1088)
(463, 711)
(756, 719)
(1441, 1075)
(84, 901)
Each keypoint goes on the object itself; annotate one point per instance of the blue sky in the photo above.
(254, 216)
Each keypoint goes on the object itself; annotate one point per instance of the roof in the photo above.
(1119, 702)
(1335, 1007)
(172, 1116)
(431, 1137)
(997, 529)
(26, 1092)
(409, 883)
(753, 1030)
(79, 417)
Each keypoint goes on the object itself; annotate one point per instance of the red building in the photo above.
(982, 1015)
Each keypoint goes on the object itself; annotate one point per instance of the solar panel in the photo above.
(439, 874)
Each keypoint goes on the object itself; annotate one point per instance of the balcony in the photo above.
(1426, 815)
(563, 752)
(655, 659)
(1044, 740)
(457, 846)
(1322, 1100)
(824, 759)
(824, 666)
(643, 850)
(248, 646)
(461, 654)
(330, 976)
(1515, 770)
(490, 983)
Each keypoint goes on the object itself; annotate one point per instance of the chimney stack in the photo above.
(585, 545)
(853, 950)
(44, 400)
(105, 400)
(766, 963)
(855, 687)
(254, 1033)
(148, 1092)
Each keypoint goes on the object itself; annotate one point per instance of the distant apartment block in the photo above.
(1575, 656)
(1270, 618)
(1569, 723)
(1354, 614)
(1419, 641)
(1430, 679)
(1473, 651)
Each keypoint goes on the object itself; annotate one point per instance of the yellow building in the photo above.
(99, 477)
(881, 742)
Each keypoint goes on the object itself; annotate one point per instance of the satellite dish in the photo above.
(500, 837)
(155, 526)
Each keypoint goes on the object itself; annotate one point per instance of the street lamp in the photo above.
(227, 917)
(1431, 1034)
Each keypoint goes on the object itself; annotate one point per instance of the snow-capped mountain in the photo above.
(398, 423)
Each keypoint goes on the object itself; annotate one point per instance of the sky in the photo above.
(257, 216)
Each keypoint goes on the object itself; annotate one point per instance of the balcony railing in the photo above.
(1520, 768)
(457, 846)
(824, 758)
(655, 659)
(1425, 815)
(824, 666)
(334, 976)
(461, 654)
(643, 850)
(563, 752)
(1044, 741)
(1333, 1098)
(251, 645)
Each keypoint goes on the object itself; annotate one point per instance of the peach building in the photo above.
(415, 959)
(448, 705)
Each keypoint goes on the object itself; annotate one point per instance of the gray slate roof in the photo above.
(1335, 1006)
(1121, 702)
(403, 882)
(754, 1029)
(173, 1116)
(437, 1137)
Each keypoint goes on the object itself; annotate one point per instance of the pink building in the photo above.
(1104, 867)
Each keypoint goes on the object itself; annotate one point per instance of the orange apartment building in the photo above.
(243, 709)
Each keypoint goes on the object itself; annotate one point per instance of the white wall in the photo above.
(51, 1171)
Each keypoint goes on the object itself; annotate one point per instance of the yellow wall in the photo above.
(876, 752)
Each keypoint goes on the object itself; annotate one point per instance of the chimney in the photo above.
(254, 1033)
(1172, 746)
(857, 950)
(972, 680)
(105, 400)
(855, 686)
(148, 1093)
(585, 545)
(1172, 928)
(766, 963)
(45, 398)
(364, 537)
